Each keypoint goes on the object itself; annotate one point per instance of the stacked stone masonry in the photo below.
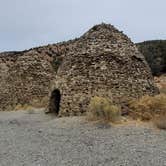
(103, 62)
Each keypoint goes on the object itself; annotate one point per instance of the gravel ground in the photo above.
(41, 140)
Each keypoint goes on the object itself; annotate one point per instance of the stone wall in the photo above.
(26, 76)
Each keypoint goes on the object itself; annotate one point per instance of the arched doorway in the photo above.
(55, 98)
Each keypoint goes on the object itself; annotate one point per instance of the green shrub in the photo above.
(103, 109)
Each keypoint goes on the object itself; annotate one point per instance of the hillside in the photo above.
(155, 54)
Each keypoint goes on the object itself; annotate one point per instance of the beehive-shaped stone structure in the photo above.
(64, 76)
(103, 62)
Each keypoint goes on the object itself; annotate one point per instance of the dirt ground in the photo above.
(36, 139)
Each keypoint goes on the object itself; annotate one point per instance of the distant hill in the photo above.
(155, 54)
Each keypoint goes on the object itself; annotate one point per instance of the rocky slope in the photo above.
(155, 54)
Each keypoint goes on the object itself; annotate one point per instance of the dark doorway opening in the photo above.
(55, 101)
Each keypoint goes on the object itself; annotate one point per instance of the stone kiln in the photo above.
(102, 62)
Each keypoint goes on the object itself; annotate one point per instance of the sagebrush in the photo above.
(160, 121)
(147, 107)
(103, 109)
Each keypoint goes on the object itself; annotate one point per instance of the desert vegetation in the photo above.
(25, 107)
(161, 83)
(146, 108)
(103, 109)
(160, 121)
(150, 108)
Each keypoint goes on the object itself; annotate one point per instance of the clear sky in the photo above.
(30, 23)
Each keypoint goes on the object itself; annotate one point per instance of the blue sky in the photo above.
(30, 23)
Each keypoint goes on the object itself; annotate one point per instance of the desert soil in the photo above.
(36, 139)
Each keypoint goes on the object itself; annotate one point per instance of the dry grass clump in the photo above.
(25, 107)
(103, 109)
(160, 121)
(163, 90)
(150, 108)
(32, 105)
(39, 103)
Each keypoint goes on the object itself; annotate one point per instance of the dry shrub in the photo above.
(18, 107)
(25, 107)
(33, 104)
(163, 90)
(103, 109)
(148, 107)
(160, 121)
(39, 103)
